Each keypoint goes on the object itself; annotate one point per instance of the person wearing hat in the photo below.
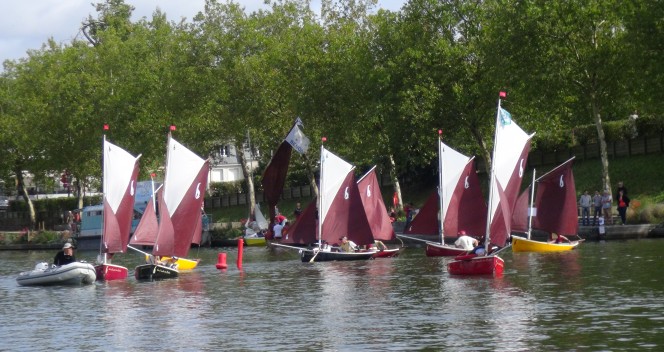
(65, 256)
(347, 246)
(465, 242)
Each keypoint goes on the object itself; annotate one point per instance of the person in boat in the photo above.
(465, 242)
(478, 250)
(277, 230)
(556, 238)
(280, 219)
(347, 246)
(379, 245)
(298, 210)
(393, 215)
(171, 262)
(252, 230)
(65, 256)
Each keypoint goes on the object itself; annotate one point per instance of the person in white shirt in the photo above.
(277, 231)
(465, 242)
(584, 202)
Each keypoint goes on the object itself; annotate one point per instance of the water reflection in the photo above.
(603, 296)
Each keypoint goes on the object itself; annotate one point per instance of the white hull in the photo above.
(71, 274)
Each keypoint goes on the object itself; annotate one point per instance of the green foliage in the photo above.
(54, 205)
(225, 233)
(219, 188)
(45, 237)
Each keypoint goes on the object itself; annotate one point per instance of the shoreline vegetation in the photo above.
(643, 175)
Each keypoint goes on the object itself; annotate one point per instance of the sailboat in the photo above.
(179, 207)
(341, 214)
(258, 239)
(376, 213)
(457, 201)
(510, 154)
(274, 176)
(120, 171)
(554, 211)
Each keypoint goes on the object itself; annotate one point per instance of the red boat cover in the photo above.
(374, 207)
(555, 200)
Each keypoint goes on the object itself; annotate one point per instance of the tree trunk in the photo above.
(79, 192)
(480, 142)
(20, 189)
(312, 175)
(395, 183)
(604, 155)
(248, 176)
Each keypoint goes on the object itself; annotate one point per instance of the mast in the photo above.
(104, 189)
(492, 180)
(320, 194)
(168, 153)
(441, 189)
(530, 209)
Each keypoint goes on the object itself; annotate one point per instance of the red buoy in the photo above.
(221, 261)
(240, 246)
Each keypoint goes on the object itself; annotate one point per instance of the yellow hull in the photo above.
(255, 241)
(520, 244)
(183, 263)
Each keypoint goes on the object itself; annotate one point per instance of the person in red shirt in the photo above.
(280, 219)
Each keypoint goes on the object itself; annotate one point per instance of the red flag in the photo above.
(106, 127)
(172, 127)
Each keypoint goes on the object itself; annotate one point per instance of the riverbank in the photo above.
(589, 233)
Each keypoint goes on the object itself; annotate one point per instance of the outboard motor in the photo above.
(41, 266)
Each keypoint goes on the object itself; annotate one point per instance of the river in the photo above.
(604, 296)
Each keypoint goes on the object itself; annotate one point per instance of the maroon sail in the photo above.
(146, 231)
(305, 229)
(520, 212)
(274, 177)
(185, 183)
(374, 207)
(345, 216)
(120, 174)
(466, 203)
(426, 220)
(555, 201)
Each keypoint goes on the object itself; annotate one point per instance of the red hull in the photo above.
(108, 272)
(438, 250)
(489, 265)
(387, 253)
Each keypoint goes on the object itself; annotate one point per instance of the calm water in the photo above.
(601, 297)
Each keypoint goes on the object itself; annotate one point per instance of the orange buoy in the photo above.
(240, 246)
(221, 261)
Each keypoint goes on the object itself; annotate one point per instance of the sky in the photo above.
(28, 24)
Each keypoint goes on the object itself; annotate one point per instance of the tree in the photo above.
(578, 54)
